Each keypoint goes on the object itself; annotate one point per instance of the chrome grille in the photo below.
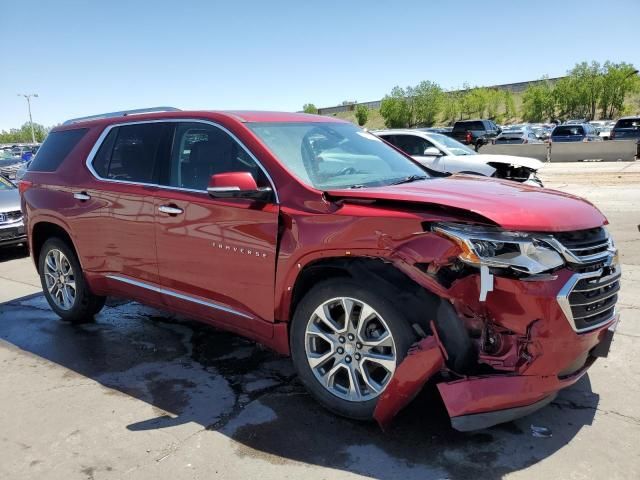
(589, 298)
(584, 246)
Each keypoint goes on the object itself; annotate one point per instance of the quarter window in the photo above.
(55, 149)
(199, 151)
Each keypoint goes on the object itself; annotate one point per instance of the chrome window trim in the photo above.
(103, 135)
(164, 291)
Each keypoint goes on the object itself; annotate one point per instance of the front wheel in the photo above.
(346, 342)
(64, 285)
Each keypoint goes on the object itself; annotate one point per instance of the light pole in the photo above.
(28, 97)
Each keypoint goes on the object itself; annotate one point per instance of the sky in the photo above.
(88, 57)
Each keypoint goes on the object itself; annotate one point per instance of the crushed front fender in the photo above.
(423, 361)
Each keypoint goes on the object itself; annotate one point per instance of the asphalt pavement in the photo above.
(142, 393)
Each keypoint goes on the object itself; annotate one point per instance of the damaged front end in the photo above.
(538, 309)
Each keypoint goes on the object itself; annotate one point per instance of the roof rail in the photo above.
(122, 113)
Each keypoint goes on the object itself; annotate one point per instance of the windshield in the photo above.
(6, 184)
(454, 146)
(335, 155)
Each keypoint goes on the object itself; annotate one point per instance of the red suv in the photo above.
(321, 241)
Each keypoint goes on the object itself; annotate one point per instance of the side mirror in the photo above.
(432, 152)
(237, 185)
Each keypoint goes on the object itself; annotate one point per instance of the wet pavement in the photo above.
(141, 393)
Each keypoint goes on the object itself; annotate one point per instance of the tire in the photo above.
(75, 305)
(304, 345)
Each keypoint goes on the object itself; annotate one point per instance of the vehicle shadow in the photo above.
(195, 373)
(13, 253)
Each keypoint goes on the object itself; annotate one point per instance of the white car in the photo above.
(444, 154)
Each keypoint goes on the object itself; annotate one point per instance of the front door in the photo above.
(215, 256)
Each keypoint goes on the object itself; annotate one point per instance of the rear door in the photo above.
(216, 257)
(126, 166)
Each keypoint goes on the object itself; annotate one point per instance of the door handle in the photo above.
(170, 209)
(82, 196)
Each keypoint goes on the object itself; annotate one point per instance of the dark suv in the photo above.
(321, 241)
(626, 128)
(475, 132)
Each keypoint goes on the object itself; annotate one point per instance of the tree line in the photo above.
(588, 91)
(23, 134)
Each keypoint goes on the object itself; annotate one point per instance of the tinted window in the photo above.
(200, 150)
(464, 126)
(55, 149)
(412, 144)
(129, 153)
(103, 157)
(567, 130)
(628, 123)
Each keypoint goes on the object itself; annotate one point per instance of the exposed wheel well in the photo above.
(386, 279)
(419, 306)
(42, 231)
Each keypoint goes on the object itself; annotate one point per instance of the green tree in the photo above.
(466, 102)
(494, 100)
(362, 114)
(395, 109)
(538, 102)
(619, 80)
(451, 107)
(425, 101)
(510, 111)
(309, 108)
(23, 134)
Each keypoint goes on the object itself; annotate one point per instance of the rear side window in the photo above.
(464, 126)
(130, 153)
(412, 145)
(568, 130)
(628, 123)
(55, 149)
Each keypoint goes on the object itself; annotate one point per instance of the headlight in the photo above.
(492, 247)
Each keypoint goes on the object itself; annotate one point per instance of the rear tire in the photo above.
(64, 285)
(321, 337)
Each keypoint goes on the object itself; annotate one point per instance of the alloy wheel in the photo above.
(60, 279)
(350, 349)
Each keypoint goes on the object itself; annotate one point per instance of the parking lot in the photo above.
(143, 394)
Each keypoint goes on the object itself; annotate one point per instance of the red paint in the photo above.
(242, 180)
(511, 205)
(247, 258)
(423, 361)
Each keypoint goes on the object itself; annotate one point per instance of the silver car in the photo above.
(12, 231)
(444, 154)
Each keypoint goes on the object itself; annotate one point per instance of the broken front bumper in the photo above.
(542, 353)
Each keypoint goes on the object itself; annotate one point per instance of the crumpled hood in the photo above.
(532, 163)
(511, 205)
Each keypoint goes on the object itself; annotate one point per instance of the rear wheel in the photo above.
(346, 342)
(64, 285)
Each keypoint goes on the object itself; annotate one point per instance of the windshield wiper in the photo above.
(409, 179)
